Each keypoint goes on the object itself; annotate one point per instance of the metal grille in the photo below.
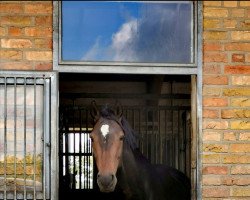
(24, 136)
(76, 153)
(164, 137)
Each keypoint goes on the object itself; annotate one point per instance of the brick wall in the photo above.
(26, 44)
(26, 35)
(226, 102)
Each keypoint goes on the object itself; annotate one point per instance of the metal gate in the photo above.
(164, 137)
(25, 135)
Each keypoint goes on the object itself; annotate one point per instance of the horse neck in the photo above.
(131, 175)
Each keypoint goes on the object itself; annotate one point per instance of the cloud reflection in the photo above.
(161, 33)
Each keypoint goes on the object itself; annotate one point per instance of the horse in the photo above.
(122, 167)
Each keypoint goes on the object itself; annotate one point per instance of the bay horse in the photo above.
(122, 167)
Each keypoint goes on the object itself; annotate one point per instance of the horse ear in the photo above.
(118, 110)
(94, 111)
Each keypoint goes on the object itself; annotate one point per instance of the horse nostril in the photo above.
(112, 177)
(98, 175)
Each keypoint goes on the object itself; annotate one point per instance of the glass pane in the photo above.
(157, 32)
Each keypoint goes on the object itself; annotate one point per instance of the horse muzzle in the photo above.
(106, 182)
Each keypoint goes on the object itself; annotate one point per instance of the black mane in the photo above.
(131, 137)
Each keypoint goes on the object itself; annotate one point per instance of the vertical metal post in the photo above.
(80, 149)
(5, 138)
(15, 142)
(34, 142)
(24, 139)
(46, 137)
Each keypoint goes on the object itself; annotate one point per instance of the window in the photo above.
(107, 38)
(26, 124)
(117, 34)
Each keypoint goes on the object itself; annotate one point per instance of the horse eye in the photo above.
(122, 138)
(91, 138)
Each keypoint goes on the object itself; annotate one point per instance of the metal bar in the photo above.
(165, 138)
(160, 137)
(24, 139)
(124, 95)
(34, 142)
(15, 139)
(53, 122)
(46, 142)
(74, 140)
(86, 139)
(5, 138)
(78, 154)
(177, 139)
(19, 81)
(139, 107)
(80, 150)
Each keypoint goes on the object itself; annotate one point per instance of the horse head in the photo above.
(107, 139)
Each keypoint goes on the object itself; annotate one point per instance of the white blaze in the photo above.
(105, 130)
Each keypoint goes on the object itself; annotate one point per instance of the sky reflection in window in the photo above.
(154, 32)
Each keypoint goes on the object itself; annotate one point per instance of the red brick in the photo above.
(215, 35)
(42, 43)
(241, 80)
(215, 12)
(38, 8)
(215, 102)
(43, 21)
(16, 65)
(216, 192)
(240, 169)
(245, 24)
(211, 180)
(211, 91)
(211, 24)
(235, 159)
(240, 148)
(240, 35)
(215, 125)
(16, 20)
(244, 136)
(43, 66)
(237, 69)
(38, 32)
(233, 46)
(215, 57)
(238, 58)
(235, 180)
(216, 170)
(244, 91)
(229, 136)
(215, 80)
(229, 23)
(235, 113)
(211, 158)
(211, 136)
(39, 55)
(16, 43)
(238, 12)
(212, 47)
(15, 31)
(2, 31)
(12, 8)
(216, 148)
(230, 3)
(211, 68)
(10, 54)
(212, 114)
